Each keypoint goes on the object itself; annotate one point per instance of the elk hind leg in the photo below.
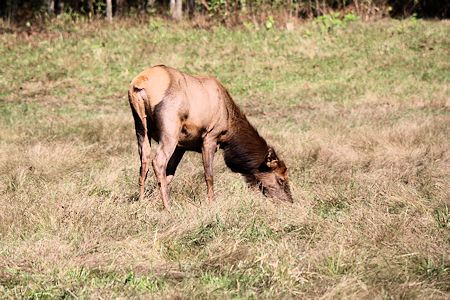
(166, 147)
(145, 164)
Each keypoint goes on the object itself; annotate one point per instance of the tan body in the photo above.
(189, 113)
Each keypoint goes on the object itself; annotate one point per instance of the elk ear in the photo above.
(271, 159)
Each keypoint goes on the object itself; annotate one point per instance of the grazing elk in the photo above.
(192, 113)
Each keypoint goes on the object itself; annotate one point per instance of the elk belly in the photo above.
(190, 137)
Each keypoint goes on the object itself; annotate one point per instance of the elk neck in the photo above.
(244, 150)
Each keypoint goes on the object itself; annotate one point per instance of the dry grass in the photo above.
(361, 115)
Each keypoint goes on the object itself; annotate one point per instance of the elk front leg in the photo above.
(163, 153)
(208, 150)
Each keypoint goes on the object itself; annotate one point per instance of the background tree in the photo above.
(176, 9)
(190, 7)
(227, 11)
(51, 7)
(109, 10)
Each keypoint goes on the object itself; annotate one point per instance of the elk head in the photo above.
(271, 178)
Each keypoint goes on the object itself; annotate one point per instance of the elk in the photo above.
(194, 113)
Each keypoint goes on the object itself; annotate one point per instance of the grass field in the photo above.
(360, 113)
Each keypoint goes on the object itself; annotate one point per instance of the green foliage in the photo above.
(258, 231)
(218, 282)
(431, 268)
(334, 265)
(270, 22)
(99, 278)
(442, 216)
(328, 23)
(144, 284)
(330, 209)
(217, 7)
(240, 284)
(204, 234)
(350, 17)
(195, 240)
(155, 24)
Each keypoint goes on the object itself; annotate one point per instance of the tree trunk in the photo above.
(317, 8)
(90, 5)
(51, 7)
(149, 5)
(172, 7)
(109, 10)
(191, 7)
(121, 7)
(11, 6)
(176, 9)
(59, 6)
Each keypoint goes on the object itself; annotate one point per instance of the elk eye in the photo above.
(280, 181)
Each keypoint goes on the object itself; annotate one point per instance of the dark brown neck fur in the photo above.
(244, 149)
